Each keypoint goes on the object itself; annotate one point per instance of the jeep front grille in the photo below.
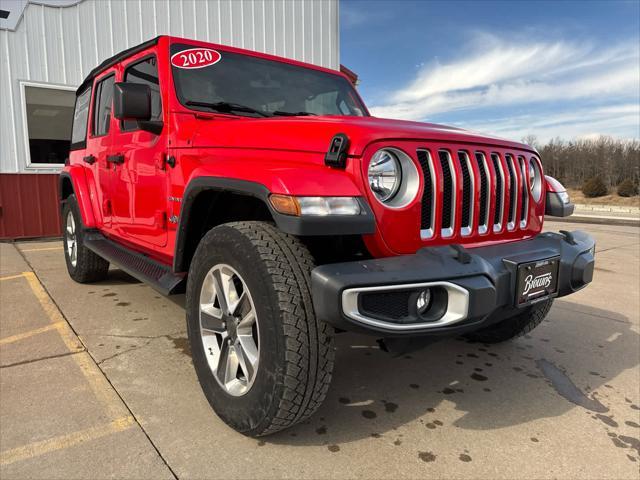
(498, 212)
(485, 195)
(467, 194)
(448, 193)
(524, 200)
(456, 182)
(513, 189)
(428, 195)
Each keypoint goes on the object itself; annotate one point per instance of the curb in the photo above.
(607, 208)
(596, 220)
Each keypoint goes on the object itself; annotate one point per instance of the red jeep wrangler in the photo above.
(263, 187)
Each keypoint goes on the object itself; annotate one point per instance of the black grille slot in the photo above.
(484, 190)
(447, 190)
(426, 221)
(524, 202)
(392, 305)
(513, 189)
(497, 214)
(467, 189)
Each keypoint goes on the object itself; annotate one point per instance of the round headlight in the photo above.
(535, 179)
(532, 175)
(385, 175)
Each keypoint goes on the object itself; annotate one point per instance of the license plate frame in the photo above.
(536, 281)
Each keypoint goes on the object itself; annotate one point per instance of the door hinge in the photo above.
(106, 207)
(169, 160)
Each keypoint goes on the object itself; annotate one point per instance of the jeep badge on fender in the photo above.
(262, 187)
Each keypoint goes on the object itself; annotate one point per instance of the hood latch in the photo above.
(337, 155)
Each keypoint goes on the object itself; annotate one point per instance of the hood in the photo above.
(313, 134)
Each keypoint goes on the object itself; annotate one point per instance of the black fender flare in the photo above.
(62, 178)
(362, 224)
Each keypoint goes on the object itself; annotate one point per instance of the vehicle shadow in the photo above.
(490, 386)
(120, 277)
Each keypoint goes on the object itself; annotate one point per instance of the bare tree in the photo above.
(572, 162)
(531, 140)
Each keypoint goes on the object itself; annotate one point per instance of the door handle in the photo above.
(116, 159)
(90, 159)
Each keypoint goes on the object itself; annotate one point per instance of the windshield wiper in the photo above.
(226, 107)
(292, 114)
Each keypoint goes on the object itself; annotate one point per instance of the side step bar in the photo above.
(157, 275)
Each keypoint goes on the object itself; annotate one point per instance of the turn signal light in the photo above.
(285, 204)
(315, 206)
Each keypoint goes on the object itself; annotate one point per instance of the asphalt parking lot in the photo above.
(96, 381)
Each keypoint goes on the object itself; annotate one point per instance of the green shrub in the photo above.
(628, 188)
(594, 187)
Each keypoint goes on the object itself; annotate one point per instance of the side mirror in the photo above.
(132, 101)
(557, 203)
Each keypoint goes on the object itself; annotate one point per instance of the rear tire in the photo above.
(295, 350)
(513, 327)
(83, 265)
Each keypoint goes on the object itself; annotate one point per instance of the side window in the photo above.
(145, 72)
(103, 101)
(80, 118)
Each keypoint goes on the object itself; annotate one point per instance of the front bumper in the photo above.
(478, 285)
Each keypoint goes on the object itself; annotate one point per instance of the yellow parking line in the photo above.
(65, 441)
(43, 249)
(31, 333)
(68, 337)
(11, 277)
(101, 388)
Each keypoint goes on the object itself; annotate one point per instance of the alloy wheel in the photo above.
(72, 242)
(229, 329)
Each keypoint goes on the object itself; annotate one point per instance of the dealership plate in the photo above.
(537, 281)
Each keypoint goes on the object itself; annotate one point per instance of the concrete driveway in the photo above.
(96, 381)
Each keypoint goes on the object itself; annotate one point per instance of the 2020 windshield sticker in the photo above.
(195, 58)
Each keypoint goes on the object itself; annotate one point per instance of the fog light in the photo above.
(423, 301)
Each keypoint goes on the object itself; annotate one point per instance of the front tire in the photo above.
(513, 327)
(262, 358)
(83, 265)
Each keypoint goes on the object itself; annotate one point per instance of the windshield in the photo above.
(256, 87)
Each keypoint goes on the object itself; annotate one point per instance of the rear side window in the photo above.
(80, 118)
(103, 101)
(145, 72)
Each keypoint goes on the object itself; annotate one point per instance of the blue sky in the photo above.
(512, 68)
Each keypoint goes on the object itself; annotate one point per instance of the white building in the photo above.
(48, 46)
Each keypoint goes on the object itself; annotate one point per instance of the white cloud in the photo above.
(483, 68)
(621, 120)
(497, 74)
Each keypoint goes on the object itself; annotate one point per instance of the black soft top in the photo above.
(109, 62)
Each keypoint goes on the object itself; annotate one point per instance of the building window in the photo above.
(49, 116)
